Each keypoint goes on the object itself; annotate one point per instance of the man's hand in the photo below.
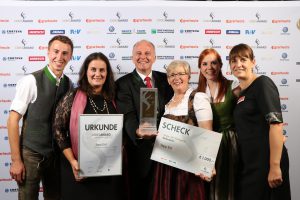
(143, 133)
(17, 171)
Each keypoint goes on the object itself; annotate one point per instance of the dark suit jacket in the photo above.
(128, 103)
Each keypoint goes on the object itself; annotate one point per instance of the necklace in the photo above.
(95, 107)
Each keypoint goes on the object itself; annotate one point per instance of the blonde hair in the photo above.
(177, 63)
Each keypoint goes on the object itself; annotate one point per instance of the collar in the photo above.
(143, 76)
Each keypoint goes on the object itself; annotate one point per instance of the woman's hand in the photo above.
(275, 177)
(75, 168)
(207, 178)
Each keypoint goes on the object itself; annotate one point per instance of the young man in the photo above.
(33, 153)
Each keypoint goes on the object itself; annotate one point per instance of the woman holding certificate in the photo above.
(222, 94)
(94, 95)
(189, 107)
(263, 165)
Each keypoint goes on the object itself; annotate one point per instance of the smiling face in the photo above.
(143, 56)
(178, 78)
(59, 55)
(210, 67)
(96, 74)
(242, 67)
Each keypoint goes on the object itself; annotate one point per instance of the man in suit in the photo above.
(139, 143)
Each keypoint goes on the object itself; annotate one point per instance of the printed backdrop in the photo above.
(179, 30)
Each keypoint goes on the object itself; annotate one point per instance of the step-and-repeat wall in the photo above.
(179, 30)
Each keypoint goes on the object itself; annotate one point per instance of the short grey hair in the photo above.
(147, 41)
(177, 63)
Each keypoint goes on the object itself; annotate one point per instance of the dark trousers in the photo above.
(39, 168)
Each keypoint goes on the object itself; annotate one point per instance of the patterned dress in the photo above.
(174, 184)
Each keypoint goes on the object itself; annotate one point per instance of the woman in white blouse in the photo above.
(191, 107)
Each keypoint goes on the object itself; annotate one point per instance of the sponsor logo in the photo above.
(95, 20)
(36, 32)
(111, 30)
(213, 31)
(258, 45)
(258, 70)
(140, 31)
(4, 20)
(284, 57)
(128, 31)
(188, 57)
(43, 47)
(284, 108)
(4, 154)
(45, 21)
(189, 31)
(119, 18)
(233, 32)
(166, 44)
(71, 18)
(9, 85)
(258, 19)
(112, 56)
(7, 164)
(212, 18)
(250, 32)
(8, 190)
(165, 18)
(119, 44)
(24, 45)
(72, 69)
(57, 32)
(165, 57)
(188, 46)
(280, 47)
(94, 46)
(164, 31)
(212, 42)
(297, 63)
(23, 16)
(126, 57)
(235, 21)
(76, 58)
(4, 47)
(285, 21)
(143, 20)
(188, 20)
(119, 70)
(5, 101)
(36, 58)
(284, 98)
(285, 31)
(75, 31)
(284, 82)
(5, 74)
(279, 73)
(11, 31)
(12, 58)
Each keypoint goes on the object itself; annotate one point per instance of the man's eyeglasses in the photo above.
(181, 74)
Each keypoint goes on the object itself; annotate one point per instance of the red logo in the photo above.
(36, 58)
(36, 32)
(213, 31)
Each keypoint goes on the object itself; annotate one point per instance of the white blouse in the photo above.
(201, 105)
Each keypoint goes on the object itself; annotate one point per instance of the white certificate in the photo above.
(100, 142)
(186, 147)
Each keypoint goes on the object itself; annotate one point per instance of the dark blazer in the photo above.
(128, 103)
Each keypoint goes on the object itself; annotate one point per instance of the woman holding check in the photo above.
(189, 107)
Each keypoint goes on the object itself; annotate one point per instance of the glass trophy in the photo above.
(148, 109)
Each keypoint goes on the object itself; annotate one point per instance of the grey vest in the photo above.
(36, 131)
